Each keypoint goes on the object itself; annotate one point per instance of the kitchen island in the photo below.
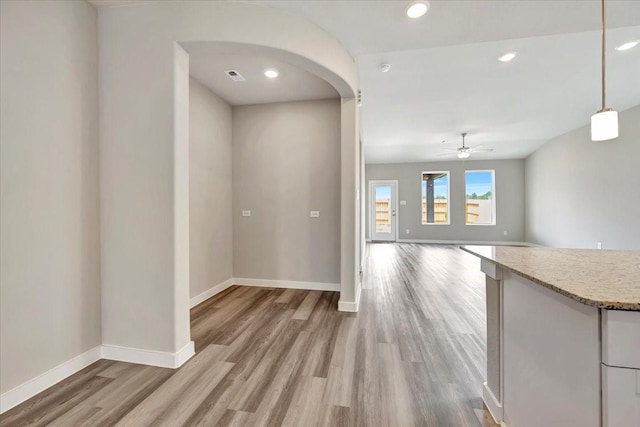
(563, 336)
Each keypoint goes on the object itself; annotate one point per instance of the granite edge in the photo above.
(607, 305)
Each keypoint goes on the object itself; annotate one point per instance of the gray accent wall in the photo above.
(49, 209)
(581, 192)
(509, 185)
(210, 183)
(286, 163)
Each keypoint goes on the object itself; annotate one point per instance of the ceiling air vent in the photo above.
(235, 76)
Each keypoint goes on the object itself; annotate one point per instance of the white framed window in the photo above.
(435, 198)
(480, 197)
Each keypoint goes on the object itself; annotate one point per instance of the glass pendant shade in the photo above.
(604, 125)
(463, 154)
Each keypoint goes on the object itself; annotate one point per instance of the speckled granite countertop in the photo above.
(600, 278)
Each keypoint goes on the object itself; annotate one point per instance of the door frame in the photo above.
(394, 190)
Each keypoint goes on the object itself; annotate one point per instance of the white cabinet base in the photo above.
(554, 361)
(551, 364)
(620, 397)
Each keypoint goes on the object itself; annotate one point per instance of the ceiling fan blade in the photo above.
(481, 150)
(452, 150)
(446, 154)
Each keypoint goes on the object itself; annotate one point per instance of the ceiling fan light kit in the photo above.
(604, 124)
(465, 152)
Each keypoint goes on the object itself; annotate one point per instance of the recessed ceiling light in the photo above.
(385, 67)
(272, 74)
(507, 57)
(417, 9)
(628, 45)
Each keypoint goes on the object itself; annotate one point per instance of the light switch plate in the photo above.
(403, 202)
(246, 213)
(315, 214)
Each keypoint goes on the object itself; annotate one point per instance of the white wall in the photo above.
(286, 163)
(510, 206)
(181, 302)
(49, 230)
(581, 192)
(137, 141)
(211, 232)
(350, 162)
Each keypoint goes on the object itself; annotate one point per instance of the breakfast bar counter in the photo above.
(563, 336)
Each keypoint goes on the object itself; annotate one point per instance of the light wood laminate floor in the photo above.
(413, 356)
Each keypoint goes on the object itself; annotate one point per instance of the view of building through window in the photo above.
(480, 204)
(435, 197)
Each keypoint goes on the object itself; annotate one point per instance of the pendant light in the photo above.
(604, 124)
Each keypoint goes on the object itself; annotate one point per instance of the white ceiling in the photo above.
(431, 95)
(208, 61)
(376, 26)
(445, 78)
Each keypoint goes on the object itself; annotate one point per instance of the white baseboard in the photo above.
(351, 306)
(184, 354)
(466, 242)
(53, 376)
(149, 357)
(43, 381)
(200, 298)
(494, 407)
(289, 284)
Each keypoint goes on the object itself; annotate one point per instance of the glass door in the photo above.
(383, 210)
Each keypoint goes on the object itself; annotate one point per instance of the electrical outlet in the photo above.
(246, 213)
(407, 231)
(403, 202)
(315, 214)
(599, 246)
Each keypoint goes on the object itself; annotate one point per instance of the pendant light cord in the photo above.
(604, 67)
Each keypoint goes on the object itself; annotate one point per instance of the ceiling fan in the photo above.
(464, 151)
